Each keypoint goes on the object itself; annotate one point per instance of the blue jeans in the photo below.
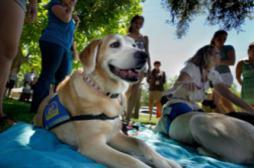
(55, 66)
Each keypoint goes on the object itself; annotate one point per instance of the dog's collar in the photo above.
(91, 83)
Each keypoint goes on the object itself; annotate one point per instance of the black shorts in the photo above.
(245, 116)
(10, 84)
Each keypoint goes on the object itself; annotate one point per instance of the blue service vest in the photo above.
(55, 113)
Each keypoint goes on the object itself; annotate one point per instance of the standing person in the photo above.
(156, 80)
(133, 93)
(29, 77)
(11, 82)
(245, 76)
(12, 13)
(27, 87)
(227, 58)
(55, 44)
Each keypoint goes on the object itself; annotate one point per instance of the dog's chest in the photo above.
(110, 107)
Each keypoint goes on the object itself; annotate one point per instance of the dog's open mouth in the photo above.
(130, 75)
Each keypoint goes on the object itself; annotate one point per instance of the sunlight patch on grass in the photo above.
(144, 119)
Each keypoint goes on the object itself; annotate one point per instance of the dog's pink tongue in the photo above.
(132, 73)
(128, 73)
(123, 73)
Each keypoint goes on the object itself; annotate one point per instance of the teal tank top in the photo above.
(223, 56)
(247, 92)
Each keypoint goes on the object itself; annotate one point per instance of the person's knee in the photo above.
(8, 52)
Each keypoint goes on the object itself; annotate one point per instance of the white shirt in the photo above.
(180, 92)
(29, 77)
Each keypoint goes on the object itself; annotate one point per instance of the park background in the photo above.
(99, 18)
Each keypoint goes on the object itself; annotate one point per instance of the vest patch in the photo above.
(55, 113)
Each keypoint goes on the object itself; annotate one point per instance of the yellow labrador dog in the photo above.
(85, 112)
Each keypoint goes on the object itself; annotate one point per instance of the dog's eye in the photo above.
(115, 44)
(134, 45)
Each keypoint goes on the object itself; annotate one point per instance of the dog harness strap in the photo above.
(92, 117)
(112, 95)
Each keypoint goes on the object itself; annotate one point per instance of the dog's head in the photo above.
(116, 57)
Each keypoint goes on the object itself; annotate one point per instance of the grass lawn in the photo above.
(20, 112)
(143, 119)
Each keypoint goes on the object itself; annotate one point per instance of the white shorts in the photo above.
(227, 78)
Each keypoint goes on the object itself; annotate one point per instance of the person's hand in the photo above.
(149, 70)
(69, 5)
(190, 86)
(76, 19)
(31, 13)
(72, 3)
(68, 8)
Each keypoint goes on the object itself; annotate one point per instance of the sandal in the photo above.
(6, 122)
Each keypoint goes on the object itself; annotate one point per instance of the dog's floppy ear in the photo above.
(89, 55)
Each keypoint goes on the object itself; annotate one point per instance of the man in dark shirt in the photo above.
(156, 80)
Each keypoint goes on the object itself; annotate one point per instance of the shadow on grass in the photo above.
(19, 111)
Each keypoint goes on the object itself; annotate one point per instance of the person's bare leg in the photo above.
(223, 105)
(158, 109)
(150, 106)
(11, 22)
(137, 105)
(131, 101)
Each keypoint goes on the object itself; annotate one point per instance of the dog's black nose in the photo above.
(140, 55)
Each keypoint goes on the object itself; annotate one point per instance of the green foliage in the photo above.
(235, 90)
(228, 14)
(98, 18)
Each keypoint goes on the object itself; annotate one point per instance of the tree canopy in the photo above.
(98, 18)
(101, 17)
(228, 14)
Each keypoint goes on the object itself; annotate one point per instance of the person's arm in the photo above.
(75, 51)
(77, 20)
(224, 90)
(63, 12)
(151, 77)
(164, 78)
(238, 72)
(230, 53)
(148, 77)
(147, 51)
(31, 11)
(185, 80)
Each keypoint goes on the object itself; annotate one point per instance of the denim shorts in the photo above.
(177, 109)
(21, 3)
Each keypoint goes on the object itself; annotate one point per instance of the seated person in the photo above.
(183, 120)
